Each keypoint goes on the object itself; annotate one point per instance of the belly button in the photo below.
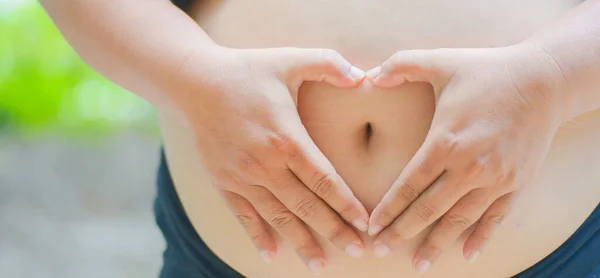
(368, 132)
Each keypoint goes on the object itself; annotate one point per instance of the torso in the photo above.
(367, 32)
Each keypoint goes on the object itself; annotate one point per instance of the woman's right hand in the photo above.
(253, 144)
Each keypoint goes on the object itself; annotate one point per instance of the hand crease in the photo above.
(555, 64)
(517, 88)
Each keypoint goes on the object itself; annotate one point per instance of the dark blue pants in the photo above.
(187, 256)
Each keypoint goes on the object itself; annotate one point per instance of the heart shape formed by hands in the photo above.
(467, 171)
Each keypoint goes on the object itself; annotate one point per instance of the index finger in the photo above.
(317, 64)
(317, 173)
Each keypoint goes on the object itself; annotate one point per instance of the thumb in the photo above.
(412, 66)
(315, 64)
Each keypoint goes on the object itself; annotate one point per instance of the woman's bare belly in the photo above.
(366, 33)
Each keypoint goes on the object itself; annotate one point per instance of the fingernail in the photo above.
(381, 250)
(354, 250)
(422, 266)
(267, 256)
(374, 229)
(374, 72)
(360, 224)
(356, 73)
(316, 265)
(473, 256)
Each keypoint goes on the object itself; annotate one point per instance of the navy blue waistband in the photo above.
(577, 257)
(185, 249)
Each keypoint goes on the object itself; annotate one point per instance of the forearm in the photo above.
(573, 45)
(139, 44)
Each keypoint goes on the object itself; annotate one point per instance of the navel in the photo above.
(368, 132)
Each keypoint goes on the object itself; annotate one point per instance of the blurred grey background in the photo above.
(78, 159)
(77, 209)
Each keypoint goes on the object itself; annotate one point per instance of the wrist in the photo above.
(186, 88)
(536, 70)
(195, 72)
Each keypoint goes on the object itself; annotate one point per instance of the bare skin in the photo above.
(182, 74)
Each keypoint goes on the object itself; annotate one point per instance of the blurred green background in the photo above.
(78, 159)
(45, 85)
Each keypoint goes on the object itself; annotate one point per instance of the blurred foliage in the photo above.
(45, 86)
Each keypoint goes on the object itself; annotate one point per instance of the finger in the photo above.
(411, 66)
(438, 199)
(253, 223)
(487, 225)
(289, 226)
(456, 221)
(420, 172)
(316, 173)
(316, 213)
(316, 64)
(430, 206)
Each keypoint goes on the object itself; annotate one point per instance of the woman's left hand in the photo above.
(497, 110)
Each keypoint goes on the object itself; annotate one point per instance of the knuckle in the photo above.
(227, 180)
(276, 140)
(336, 232)
(400, 56)
(245, 220)
(425, 212)
(432, 245)
(479, 238)
(495, 160)
(281, 220)
(495, 219)
(399, 231)
(306, 248)
(259, 237)
(284, 145)
(485, 237)
(493, 163)
(332, 60)
(480, 165)
(510, 175)
(386, 215)
(500, 183)
(330, 56)
(498, 173)
(408, 192)
(458, 221)
(426, 166)
(292, 150)
(447, 142)
(348, 211)
(482, 235)
(249, 164)
(323, 184)
(306, 207)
